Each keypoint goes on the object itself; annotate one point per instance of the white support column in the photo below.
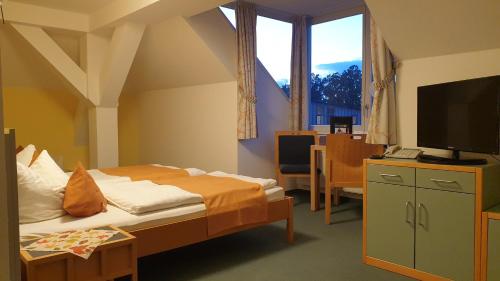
(94, 48)
(117, 63)
(107, 63)
(103, 135)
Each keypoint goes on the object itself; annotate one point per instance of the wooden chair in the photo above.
(292, 154)
(344, 166)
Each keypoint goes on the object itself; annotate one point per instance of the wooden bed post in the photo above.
(289, 221)
(10, 267)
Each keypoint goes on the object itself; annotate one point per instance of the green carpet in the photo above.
(320, 252)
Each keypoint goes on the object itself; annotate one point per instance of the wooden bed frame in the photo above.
(162, 238)
(166, 237)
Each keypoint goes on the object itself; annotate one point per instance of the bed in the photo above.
(164, 229)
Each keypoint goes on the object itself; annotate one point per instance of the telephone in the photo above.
(396, 151)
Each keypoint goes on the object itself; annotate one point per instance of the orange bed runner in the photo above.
(145, 172)
(230, 202)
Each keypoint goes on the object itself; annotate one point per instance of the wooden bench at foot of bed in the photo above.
(170, 236)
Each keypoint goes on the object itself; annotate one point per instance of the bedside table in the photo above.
(115, 258)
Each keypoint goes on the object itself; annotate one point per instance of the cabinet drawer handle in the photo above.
(443, 181)
(390, 175)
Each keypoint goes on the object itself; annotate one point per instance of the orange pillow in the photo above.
(19, 149)
(83, 198)
(35, 156)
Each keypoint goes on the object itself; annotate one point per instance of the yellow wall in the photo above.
(49, 120)
(128, 130)
(185, 127)
(39, 103)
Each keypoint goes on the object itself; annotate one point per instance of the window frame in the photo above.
(366, 87)
(366, 64)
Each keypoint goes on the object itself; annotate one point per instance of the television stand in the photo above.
(455, 160)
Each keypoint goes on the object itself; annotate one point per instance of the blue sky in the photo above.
(332, 42)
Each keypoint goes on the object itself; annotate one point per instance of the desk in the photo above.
(314, 174)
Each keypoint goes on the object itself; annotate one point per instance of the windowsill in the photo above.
(325, 129)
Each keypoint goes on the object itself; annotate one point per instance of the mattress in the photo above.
(129, 222)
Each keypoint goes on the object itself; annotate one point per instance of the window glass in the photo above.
(230, 15)
(336, 66)
(274, 46)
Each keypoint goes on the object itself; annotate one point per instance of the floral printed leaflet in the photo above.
(80, 242)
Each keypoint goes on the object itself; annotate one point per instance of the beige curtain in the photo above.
(382, 123)
(246, 23)
(299, 84)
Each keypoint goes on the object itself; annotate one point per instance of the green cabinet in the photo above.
(493, 261)
(391, 175)
(444, 236)
(446, 180)
(390, 223)
(425, 222)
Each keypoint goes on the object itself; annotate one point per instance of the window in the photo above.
(336, 70)
(230, 15)
(274, 47)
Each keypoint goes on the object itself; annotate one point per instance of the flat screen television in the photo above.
(460, 116)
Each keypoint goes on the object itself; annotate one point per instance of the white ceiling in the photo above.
(166, 9)
(80, 6)
(426, 28)
(295, 7)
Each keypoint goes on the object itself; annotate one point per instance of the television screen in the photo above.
(462, 115)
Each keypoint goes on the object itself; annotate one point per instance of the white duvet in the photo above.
(138, 197)
(265, 183)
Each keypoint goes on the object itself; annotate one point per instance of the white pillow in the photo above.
(26, 155)
(48, 170)
(37, 200)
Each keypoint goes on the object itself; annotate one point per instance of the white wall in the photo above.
(219, 35)
(256, 157)
(173, 55)
(195, 125)
(433, 70)
(186, 127)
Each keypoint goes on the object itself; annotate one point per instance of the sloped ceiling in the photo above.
(172, 55)
(79, 6)
(425, 28)
(165, 9)
(153, 11)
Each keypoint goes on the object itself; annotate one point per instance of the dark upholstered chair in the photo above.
(292, 154)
